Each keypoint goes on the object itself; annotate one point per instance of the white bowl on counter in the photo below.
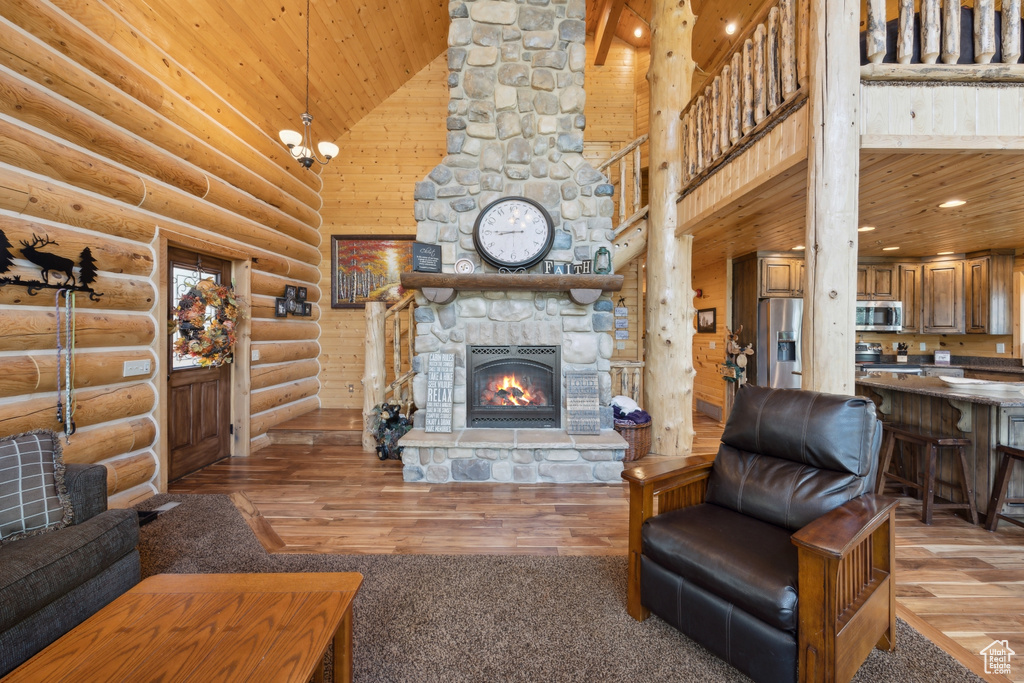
(984, 385)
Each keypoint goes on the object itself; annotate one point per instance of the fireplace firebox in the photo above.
(513, 386)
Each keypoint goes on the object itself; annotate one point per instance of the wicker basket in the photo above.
(637, 436)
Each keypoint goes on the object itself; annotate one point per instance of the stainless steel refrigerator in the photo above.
(778, 342)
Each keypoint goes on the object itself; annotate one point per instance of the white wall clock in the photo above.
(513, 232)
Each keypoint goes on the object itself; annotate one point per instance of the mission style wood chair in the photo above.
(776, 555)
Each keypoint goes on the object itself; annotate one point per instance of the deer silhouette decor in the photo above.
(61, 267)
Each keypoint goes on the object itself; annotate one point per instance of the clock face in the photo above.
(513, 232)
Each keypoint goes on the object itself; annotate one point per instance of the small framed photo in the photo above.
(307, 308)
(280, 307)
(300, 294)
(289, 291)
(706, 323)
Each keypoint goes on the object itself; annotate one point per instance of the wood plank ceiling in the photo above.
(899, 197)
(254, 53)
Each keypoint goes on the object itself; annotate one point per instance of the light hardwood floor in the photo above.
(959, 584)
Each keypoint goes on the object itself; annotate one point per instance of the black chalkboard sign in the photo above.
(426, 258)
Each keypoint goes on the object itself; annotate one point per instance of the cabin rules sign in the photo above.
(582, 408)
(440, 383)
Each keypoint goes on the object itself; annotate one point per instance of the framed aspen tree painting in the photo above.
(367, 268)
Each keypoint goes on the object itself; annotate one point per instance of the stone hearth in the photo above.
(515, 128)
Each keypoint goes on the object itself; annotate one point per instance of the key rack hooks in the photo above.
(48, 263)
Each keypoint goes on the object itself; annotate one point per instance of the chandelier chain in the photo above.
(307, 56)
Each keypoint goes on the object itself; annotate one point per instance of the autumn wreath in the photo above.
(206, 317)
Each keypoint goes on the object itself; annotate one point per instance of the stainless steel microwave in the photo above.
(879, 316)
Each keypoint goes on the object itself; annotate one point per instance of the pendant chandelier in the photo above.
(300, 145)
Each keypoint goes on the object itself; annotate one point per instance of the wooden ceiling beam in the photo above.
(610, 12)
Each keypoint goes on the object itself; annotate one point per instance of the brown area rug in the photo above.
(493, 618)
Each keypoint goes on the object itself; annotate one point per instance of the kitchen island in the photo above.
(987, 418)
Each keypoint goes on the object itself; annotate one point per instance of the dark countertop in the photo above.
(933, 386)
(1008, 365)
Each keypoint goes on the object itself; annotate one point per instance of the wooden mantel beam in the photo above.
(610, 12)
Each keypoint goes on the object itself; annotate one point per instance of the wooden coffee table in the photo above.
(209, 627)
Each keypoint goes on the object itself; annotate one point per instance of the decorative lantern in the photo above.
(603, 261)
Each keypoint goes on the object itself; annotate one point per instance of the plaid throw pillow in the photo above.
(33, 497)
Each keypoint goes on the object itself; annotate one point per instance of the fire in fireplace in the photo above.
(513, 386)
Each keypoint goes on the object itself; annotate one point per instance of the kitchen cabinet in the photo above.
(781, 277)
(988, 292)
(942, 289)
(877, 281)
(910, 295)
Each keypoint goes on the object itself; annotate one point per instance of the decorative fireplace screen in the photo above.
(513, 386)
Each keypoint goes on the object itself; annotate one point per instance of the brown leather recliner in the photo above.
(775, 555)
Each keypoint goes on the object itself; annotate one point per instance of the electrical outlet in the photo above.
(712, 345)
(620, 345)
(255, 354)
(895, 346)
(1000, 348)
(351, 388)
(923, 346)
(136, 367)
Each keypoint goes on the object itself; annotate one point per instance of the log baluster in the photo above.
(709, 125)
(772, 60)
(725, 108)
(876, 31)
(760, 109)
(691, 143)
(1011, 31)
(735, 103)
(985, 31)
(716, 103)
(622, 190)
(929, 31)
(748, 86)
(373, 369)
(637, 173)
(701, 133)
(905, 37)
(787, 47)
(950, 32)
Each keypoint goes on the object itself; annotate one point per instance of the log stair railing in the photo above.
(940, 38)
(627, 379)
(748, 93)
(376, 389)
(631, 228)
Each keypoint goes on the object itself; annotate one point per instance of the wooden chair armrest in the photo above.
(836, 532)
(670, 473)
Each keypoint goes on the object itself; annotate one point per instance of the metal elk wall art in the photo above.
(60, 268)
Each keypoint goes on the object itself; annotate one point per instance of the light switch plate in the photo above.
(1000, 348)
(923, 346)
(620, 345)
(255, 354)
(712, 345)
(136, 367)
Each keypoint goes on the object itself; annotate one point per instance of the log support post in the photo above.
(669, 373)
(833, 179)
(374, 371)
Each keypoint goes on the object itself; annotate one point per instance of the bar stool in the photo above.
(995, 504)
(930, 444)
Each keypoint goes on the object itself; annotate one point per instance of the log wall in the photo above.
(108, 142)
(368, 188)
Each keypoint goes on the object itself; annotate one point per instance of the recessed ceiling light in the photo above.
(799, 247)
(951, 203)
(865, 228)
(638, 32)
(889, 248)
(944, 253)
(730, 28)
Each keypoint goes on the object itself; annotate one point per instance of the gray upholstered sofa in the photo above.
(51, 582)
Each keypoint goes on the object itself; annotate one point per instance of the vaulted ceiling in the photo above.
(254, 52)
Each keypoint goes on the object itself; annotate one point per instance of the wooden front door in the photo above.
(199, 410)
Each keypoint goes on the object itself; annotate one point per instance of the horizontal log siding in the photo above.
(107, 142)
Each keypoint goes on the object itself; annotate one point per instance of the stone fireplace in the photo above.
(515, 128)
